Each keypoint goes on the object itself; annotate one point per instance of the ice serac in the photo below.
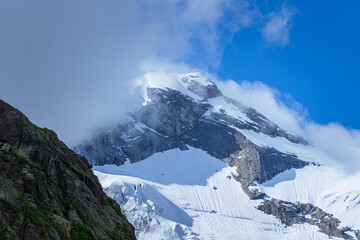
(49, 192)
(190, 113)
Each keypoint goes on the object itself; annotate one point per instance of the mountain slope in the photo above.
(47, 191)
(171, 119)
(261, 164)
(213, 204)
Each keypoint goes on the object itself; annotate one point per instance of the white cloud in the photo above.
(267, 101)
(278, 26)
(337, 143)
(67, 64)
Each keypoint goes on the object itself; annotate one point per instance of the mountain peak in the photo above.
(195, 84)
(185, 118)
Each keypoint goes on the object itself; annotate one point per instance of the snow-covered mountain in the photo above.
(191, 163)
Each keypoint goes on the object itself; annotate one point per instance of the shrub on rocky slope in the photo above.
(49, 192)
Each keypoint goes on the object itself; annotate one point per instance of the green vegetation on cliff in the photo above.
(49, 192)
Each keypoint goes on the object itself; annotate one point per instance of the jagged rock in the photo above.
(260, 164)
(204, 88)
(253, 194)
(49, 192)
(294, 213)
(5, 147)
(357, 234)
(171, 120)
(260, 123)
(170, 114)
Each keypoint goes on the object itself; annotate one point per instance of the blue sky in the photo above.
(319, 67)
(68, 64)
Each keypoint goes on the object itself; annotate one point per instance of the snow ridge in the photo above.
(168, 193)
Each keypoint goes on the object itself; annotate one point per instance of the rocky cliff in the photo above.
(188, 111)
(172, 119)
(49, 192)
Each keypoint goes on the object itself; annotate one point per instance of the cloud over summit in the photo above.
(67, 64)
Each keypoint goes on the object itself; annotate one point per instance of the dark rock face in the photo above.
(259, 164)
(174, 120)
(260, 123)
(357, 234)
(296, 213)
(170, 112)
(49, 192)
(252, 194)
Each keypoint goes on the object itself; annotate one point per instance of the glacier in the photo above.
(180, 188)
(169, 192)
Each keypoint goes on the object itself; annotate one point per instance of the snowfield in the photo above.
(333, 186)
(191, 195)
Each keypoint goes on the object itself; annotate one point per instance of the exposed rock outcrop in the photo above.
(173, 120)
(49, 192)
(296, 213)
(205, 88)
(259, 164)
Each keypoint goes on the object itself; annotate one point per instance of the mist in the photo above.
(68, 64)
(340, 145)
